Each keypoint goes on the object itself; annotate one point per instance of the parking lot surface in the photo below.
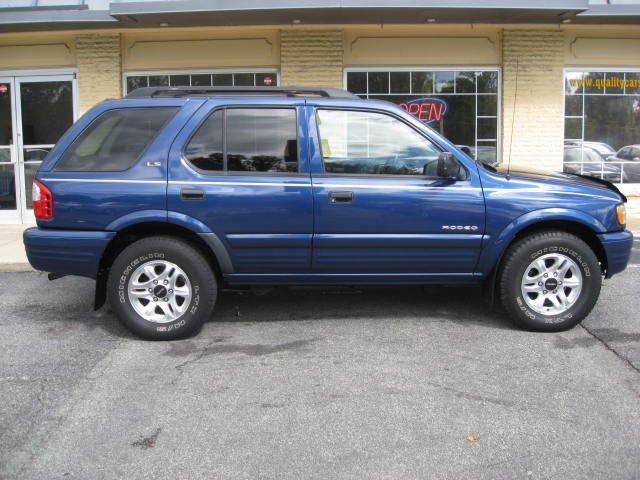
(394, 383)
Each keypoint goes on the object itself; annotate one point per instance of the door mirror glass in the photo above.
(448, 166)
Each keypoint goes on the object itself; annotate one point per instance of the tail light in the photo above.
(42, 201)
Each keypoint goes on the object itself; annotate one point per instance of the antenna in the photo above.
(513, 117)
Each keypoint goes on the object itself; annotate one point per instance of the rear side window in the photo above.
(115, 140)
(246, 140)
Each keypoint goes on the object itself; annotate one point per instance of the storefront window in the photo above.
(201, 79)
(460, 104)
(602, 124)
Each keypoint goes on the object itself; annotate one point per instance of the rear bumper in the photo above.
(66, 252)
(617, 247)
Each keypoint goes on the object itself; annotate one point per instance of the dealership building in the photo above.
(546, 84)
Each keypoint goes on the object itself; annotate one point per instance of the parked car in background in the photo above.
(588, 159)
(629, 159)
(604, 149)
(630, 153)
(170, 194)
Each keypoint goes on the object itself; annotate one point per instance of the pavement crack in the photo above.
(593, 334)
(41, 394)
(472, 396)
(250, 350)
(199, 355)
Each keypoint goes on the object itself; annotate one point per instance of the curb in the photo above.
(15, 267)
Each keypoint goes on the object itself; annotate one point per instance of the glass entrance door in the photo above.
(35, 111)
(8, 192)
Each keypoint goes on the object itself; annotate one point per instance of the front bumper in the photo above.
(617, 247)
(66, 252)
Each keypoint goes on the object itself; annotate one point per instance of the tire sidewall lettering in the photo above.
(568, 315)
(123, 282)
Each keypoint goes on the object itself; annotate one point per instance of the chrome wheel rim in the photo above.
(159, 291)
(551, 284)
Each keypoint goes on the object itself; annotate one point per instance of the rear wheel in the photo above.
(162, 288)
(550, 281)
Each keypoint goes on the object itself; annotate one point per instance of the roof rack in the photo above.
(173, 92)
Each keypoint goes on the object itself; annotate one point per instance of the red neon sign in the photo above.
(426, 110)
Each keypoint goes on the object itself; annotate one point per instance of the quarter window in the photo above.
(246, 140)
(355, 142)
(115, 140)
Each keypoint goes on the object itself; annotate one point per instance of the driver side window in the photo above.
(366, 143)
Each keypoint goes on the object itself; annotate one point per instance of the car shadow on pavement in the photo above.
(463, 305)
(68, 303)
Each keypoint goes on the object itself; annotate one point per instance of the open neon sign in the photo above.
(426, 110)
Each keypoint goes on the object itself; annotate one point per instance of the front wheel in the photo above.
(550, 281)
(162, 288)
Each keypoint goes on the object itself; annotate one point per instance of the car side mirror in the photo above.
(448, 166)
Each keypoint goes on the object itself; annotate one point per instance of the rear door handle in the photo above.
(341, 197)
(192, 193)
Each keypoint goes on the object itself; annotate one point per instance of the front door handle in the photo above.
(341, 197)
(192, 193)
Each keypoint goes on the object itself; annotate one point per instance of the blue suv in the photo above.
(172, 193)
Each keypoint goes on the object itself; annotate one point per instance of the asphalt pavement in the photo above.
(373, 383)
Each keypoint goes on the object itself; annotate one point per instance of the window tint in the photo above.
(204, 150)
(373, 143)
(115, 140)
(257, 140)
(262, 140)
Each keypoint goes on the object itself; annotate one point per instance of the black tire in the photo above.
(518, 258)
(204, 287)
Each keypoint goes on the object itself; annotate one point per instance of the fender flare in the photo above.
(491, 257)
(217, 246)
(131, 219)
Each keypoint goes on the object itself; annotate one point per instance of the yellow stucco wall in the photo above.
(200, 48)
(425, 45)
(98, 62)
(602, 47)
(37, 50)
(311, 57)
(532, 93)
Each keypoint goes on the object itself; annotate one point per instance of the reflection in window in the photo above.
(257, 140)
(7, 187)
(470, 118)
(261, 140)
(204, 150)
(602, 124)
(47, 111)
(114, 140)
(373, 143)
